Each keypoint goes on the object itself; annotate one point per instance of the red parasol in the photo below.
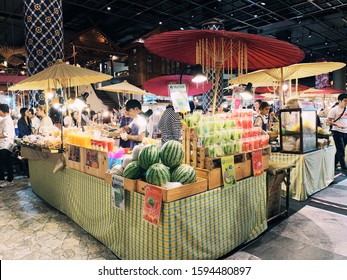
(224, 49)
(271, 89)
(326, 90)
(159, 85)
(217, 50)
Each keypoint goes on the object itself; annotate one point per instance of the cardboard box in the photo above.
(273, 204)
(274, 190)
(177, 193)
(129, 184)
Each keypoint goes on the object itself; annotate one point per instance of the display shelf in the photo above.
(40, 149)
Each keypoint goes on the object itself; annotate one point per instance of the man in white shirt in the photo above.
(138, 126)
(7, 135)
(337, 117)
(35, 121)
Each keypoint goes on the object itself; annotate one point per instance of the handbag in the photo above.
(331, 126)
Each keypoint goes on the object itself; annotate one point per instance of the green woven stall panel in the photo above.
(45, 183)
(88, 203)
(203, 226)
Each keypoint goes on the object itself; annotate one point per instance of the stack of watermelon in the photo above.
(160, 166)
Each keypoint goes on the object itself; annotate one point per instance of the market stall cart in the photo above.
(314, 171)
(207, 225)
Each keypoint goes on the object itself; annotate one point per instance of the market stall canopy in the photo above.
(296, 71)
(159, 85)
(271, 89)
(60, 75)
(124, 87)
(224, 49)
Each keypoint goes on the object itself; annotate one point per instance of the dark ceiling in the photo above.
(318, 27)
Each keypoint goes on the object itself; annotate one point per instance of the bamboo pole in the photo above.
(215, 91)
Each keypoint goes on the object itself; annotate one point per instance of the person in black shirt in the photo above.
(24, 123)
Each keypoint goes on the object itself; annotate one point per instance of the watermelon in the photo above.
(158, 174)
(136, 151)
(184, 174)
(172, 153)
(133, 170)
(126, 159)
(117, 170)
(148, 156)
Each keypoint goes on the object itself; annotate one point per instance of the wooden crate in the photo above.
(243, 169)
(96, 165)
(265, 162)
(177, 193)
(213, 177)
(74, 164)
(129, 184)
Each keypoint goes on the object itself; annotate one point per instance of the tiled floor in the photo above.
(30, 229)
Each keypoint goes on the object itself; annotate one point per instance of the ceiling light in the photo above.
(345, 20)
(108, 8)
(262, 3)
(326, 42)
(255, 16)
(182, 28)
(160, 22)
(309, 34)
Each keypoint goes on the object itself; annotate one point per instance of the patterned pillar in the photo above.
(44, 38)
(207, 99)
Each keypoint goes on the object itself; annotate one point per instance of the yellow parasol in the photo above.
(125, 87)
(60, 75)
(268, 77)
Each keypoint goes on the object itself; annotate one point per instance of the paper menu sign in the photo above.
(152, 204)
(257, 162)
(117, 192)
(179, 97)
(228, 171)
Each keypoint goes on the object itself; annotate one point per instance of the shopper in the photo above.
(46, 122)
(261, 119)
(170, 125)
(72, 120)
(125, 120)
(7, 135)
(256, 110)
(85, 118)
(337, 117)
(24, 123)
(35, 121)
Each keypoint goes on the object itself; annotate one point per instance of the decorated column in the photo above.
(44, 38)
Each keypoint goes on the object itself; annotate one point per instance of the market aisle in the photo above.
(30, 229)
(317, 231)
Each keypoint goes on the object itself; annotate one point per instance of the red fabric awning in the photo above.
(4, 79)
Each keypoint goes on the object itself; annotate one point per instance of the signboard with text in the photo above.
(179, 97)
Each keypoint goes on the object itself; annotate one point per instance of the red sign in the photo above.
(257, 162)
(152, 204)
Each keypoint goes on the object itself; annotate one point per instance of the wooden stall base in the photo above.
(179, 192)
(243, 169)
(129, 184)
